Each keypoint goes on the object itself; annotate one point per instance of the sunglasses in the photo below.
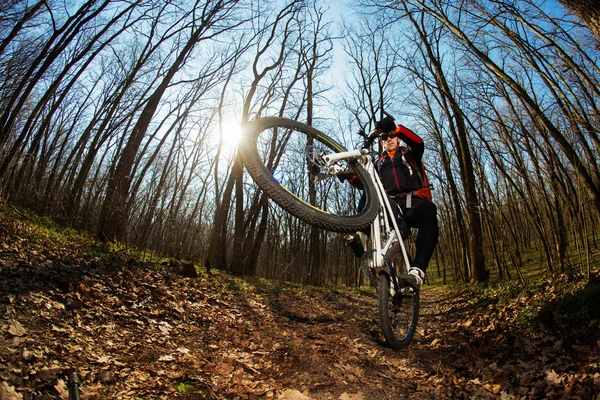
(385, 136)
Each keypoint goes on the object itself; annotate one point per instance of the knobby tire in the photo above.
(397, 317)
(299, 208)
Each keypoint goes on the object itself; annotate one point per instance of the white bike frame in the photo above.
(385, 215)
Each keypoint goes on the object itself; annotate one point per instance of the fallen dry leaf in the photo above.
(132, 330)
(49, 374)
(8, 392)
(106, 376)
(292, 394)
(16, 329)
(357, 396)
(62, 389)
(553, 377)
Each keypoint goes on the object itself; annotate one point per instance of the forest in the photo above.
(122, 117)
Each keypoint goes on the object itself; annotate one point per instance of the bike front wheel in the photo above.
(398, 311)
(282, 156)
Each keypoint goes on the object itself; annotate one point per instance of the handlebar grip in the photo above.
(345, 155)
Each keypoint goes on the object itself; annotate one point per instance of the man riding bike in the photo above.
(401, 171)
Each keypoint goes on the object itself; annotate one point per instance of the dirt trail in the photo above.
(135, 331)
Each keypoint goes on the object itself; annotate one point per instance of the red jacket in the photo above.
(402, 172)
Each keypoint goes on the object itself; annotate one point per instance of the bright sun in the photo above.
(232, 132)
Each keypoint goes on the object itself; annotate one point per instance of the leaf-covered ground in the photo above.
(133, 330)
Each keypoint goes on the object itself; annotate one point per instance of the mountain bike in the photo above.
(296, 166)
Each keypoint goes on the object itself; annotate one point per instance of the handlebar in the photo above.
(371, 137)
(345, 155)
(374, 134)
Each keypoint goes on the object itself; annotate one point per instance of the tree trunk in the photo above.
(588, 11)
(457, 124)
(113, 217)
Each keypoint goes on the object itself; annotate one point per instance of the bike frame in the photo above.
(383, 234)
(398, 294)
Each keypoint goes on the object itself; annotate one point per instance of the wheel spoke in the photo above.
(399, 313)
(274, 151)
(294, 163)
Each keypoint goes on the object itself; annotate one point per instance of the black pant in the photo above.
(423, 216)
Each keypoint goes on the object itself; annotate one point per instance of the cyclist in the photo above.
(400, 170)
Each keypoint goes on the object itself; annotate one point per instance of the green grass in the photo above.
(184, 387)
(563, 304)
(189, 389)
(364, 291)
(534, 267)
(53, 235)
(577, 312)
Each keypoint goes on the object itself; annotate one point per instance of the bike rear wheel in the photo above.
(280, 154)
(398, 314)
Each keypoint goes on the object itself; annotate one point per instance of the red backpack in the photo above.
(419, 168)
(425, 191)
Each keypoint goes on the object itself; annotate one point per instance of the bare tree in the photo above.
(314, 54)
(588, 11)
(458, 128)
(113, 217)
(268, 37)
(20, 14)
(60, 39)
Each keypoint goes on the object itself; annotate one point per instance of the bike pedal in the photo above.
(409, 280)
